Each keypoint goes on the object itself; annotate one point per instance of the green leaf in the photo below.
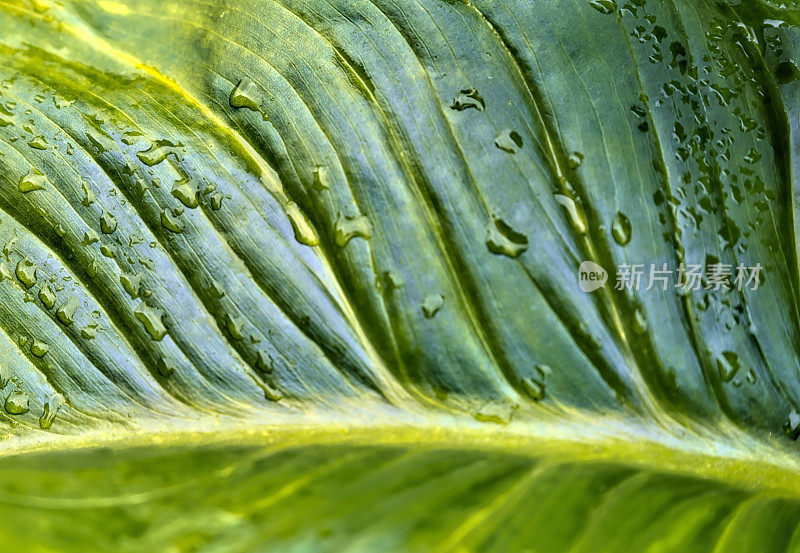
(302, 275)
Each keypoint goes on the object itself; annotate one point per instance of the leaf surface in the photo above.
(311, 267)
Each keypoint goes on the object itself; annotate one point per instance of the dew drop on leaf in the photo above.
(509, 141)
(17, 403)
(574, 160)
(34, 180)
(165, 367)
(170, 222)
(26, 272)
(347, 228)
(39, 348)
(89, 332)
(49, 411)
(792, 425)
(108, 224)
(246, 95)
(131, 137)
(216, 201)
(47, 296)
(185, 193)
(234, 326)
(728, 365)
(131, 284)
(604, 6)
(303, 232)
(621, 229)
(496, 412)
(158, 152)
(66, 312)
(321, 178)
(575, 218)
(534, 387)
(468, 98)
(501, 239)
(90, 237)
(88, 195)
(92, 268)
(150, 317)
(432, 305)
(108, 251)
(38, 143)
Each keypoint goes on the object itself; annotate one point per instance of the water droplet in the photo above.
(131, 284)
(501, 239)
(574, 160)
(108, 224)
(534, 388)
(158, 152)
(792, 425)
(47, 296)
(165, 367)
(66, 312)
(131, 137)
(728, 365)
(621, 229)
(468, 98)
(89, 332)
(9, 247)
(604, 6)
(61, 103)
(39, 348)
(34, 180)
(264, 362)
(216, 201)
(17, 403)
(150, 317)
(51, 407)
(92, 268)
(509, 141)
(90, 237)
(246, 95)
(185, 193)
(303, 232)
(574, 215)
(234, 326)
(38, 143)
(496, 412)
(321, 178)
(171, 223)
(26, 272)
(432, 305)
(88, 195)
(347, 228)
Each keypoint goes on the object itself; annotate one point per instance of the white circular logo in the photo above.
(591, 276)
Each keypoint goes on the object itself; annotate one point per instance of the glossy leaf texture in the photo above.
(316, 262)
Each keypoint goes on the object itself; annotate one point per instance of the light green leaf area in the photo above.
(301, 275)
